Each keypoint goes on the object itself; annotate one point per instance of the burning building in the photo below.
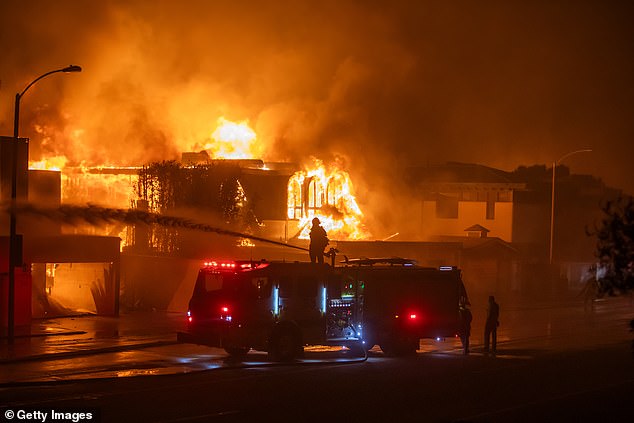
(221, 185)
(271, 200)
(225, 184)
(58, 273)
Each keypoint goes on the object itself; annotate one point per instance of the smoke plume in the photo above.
(378, 85)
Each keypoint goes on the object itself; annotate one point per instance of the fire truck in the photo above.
(400, 303)
(280, 307)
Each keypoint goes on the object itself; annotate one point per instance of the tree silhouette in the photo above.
(213, 188)
(615, 247)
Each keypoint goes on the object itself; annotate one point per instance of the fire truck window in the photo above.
(213, 282)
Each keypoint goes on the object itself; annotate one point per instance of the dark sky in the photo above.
(379, 84)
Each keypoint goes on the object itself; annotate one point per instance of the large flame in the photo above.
(320, 190)
(51, 163)
(106, 186)
(326, 193)
(233, 140)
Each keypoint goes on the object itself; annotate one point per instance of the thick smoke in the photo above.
(379, 85)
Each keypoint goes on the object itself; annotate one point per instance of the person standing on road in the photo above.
(465, 327)
(318, 242)
(491, 325)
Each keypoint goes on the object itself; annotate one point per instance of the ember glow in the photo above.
(326, 193)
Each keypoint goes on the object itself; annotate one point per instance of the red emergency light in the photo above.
(220, 264)
(225, 313)
(412, 316)
(234, 265)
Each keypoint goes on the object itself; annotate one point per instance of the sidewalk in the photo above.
(64, 337)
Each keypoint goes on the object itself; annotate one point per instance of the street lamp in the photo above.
(552, 199)
(13, 257)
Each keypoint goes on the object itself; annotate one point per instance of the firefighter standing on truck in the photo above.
(318, 242)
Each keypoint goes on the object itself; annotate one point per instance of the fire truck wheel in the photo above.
(286, 345)
(237, 352)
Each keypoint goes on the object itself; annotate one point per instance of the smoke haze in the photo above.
(379, 85)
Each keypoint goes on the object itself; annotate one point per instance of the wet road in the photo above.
(554, 364)
(541, 328)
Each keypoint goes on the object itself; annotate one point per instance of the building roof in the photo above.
(460, 174)
(476, 228)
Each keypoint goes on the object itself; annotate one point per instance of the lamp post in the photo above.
(13, 253)
(552, 199)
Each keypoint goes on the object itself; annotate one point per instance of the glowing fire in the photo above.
(110, 187)
(52, 163)
(233, 141)
(329, 195)
(106, 186)
(318, 191)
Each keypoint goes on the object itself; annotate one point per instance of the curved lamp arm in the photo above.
(585, 150)
(18, 96)
(552, 200)
(67, 69)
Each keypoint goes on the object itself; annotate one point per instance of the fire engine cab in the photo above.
(280, 307)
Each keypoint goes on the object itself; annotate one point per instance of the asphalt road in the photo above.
(557, 364)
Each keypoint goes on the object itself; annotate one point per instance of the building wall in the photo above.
(469, 213)
(45, 192)
(157, 282)
(531, 223)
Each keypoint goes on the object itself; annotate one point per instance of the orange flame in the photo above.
(51, 163)
(233, 141)
(329, 195)
(318, 191)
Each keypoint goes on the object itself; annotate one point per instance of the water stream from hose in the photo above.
(97, 215)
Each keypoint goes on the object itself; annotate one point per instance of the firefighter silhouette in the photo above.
(318, 242)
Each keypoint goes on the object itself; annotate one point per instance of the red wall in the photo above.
(23, 288)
